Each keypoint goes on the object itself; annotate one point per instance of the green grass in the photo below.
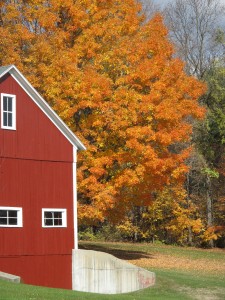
(170, 284)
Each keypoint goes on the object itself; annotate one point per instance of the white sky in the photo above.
(163, 2)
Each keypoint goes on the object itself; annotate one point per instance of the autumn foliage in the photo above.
(112, 77)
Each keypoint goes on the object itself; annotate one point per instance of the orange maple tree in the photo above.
(112, 77)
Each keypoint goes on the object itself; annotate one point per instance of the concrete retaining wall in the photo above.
(9, 277)
(99, 272)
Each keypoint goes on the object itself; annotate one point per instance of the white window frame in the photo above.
(64, 217)
(19, 216)
(13, 127)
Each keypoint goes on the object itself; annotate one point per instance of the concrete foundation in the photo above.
(99, 272)
(9, 277)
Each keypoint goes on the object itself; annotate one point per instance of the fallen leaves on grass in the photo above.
(166, 261)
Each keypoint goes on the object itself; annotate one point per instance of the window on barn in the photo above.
(8, 111)
(54, 217)
(11, 216)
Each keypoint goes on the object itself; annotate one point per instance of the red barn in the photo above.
(38, 209)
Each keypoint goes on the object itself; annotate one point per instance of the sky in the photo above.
(164, 2)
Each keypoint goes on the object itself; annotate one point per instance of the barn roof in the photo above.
(23, 82)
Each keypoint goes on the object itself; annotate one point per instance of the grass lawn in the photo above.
(183, 280)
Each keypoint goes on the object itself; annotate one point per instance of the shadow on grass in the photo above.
(121, 254)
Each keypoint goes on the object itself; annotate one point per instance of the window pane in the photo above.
(9, 104)
(5, 114)
(48, 214)
(5, 103)
(10, 119)
(48, 222)
(58, 222)
(3, 213)
(13, 213)
(3, 221)
(57, 214)
(12, 221)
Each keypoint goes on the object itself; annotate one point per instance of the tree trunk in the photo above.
(209, 206)
(190, 235)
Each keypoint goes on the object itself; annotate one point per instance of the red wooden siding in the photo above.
(34, 185)
(35, 137)
(49, 270)
(35, 173)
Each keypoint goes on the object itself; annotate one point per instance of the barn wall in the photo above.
(34, 185)
(35, 172)
(35, 137)
(47, 270)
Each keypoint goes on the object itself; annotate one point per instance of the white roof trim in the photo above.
(42, 104)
